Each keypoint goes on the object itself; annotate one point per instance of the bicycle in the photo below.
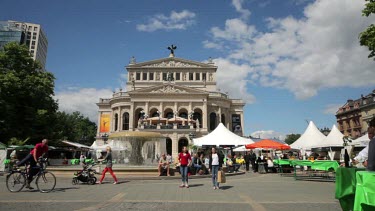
(45, 181)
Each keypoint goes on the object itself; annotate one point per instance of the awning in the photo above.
(268, 144)
(78, 145)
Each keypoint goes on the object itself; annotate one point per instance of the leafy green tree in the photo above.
(74, 127)
(26, 96)
(291, 138)
(367, 37)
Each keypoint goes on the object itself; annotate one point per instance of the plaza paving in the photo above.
(242, 192)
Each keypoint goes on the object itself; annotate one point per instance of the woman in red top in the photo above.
(185, 160)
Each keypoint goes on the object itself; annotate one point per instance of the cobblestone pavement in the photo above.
(243, 192)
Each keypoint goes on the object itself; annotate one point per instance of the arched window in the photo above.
(197, 115)
(183, 142)
(212, 121)
(116, 122)
(125, 121)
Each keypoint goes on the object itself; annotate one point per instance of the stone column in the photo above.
(119, 120)
(146, 109)
(204, 115)
(98, 129)
(131, 116)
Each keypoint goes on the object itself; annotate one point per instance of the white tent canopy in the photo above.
(103, 148)
(222, 136)
(78, 145)
(241, 149)
(310, 138)
(361, 141)
(334, 139)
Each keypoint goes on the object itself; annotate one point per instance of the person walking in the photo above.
(108, 159)
(253, 158)
(185, 160)
(216, 162)
(247, 161)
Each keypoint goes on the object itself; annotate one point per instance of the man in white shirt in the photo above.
(363, 155)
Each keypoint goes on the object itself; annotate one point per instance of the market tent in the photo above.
(334, 139)
(78, 145)
(268, 144)
(361, 141)
(221, 136)
(310, 138)
(241, 149)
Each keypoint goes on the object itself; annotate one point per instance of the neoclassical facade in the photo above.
(175, 97)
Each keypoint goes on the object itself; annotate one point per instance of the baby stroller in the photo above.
(86, 175)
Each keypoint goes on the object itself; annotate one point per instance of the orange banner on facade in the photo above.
(104, 122)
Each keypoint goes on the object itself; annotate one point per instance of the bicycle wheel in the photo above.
(46, 182)
(15, 181)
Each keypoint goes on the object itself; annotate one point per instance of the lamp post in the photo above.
(105, 138)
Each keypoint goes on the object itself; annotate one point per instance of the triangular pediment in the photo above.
(171, 62)
(168, 88)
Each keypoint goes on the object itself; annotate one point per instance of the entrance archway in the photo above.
(169, 146)
(181, 143)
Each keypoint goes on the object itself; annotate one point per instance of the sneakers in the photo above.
(115, 183)
(186, 186)
(182, 185)
(214, 188)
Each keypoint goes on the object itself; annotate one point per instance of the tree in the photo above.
(26, 96)
(74, 127)
(367, 37)
(291, 138)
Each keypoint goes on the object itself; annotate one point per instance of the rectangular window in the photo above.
(204, 76)
(33, 42)
(138, 76)
(35, 28)
(191, 76)
(197, 76)
(151, 76)
(164, 76)
(144, 76)
(178, 76)
(29, 28)
(34, 37)
(34, 33)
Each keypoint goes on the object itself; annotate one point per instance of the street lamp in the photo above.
(105, 138)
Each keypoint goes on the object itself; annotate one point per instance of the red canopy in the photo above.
(267, 144)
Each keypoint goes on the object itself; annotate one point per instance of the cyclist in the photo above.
(32, 159)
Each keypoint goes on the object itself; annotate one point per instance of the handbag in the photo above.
(221, 177)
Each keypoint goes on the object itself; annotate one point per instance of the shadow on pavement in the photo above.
(195, 185)
(225, 187)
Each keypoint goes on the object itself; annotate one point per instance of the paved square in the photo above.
(243, 192)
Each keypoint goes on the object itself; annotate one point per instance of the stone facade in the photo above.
(175, 97)
(354, 116)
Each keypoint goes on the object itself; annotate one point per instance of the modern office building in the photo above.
(175, 97)
(29, 34)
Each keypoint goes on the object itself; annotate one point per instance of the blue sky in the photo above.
(291, 60)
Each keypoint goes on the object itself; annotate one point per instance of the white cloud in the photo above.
(263, 134)
(83, 100)
(238, 6)
(331, 109)
(320, 50)
(175, 21)
(231, 78)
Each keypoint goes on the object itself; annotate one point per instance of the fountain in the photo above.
(137, 148)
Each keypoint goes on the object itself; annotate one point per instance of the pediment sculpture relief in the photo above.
(171, 64)
(168, 89)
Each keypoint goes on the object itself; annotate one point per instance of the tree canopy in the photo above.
(291, 138)
(26, 96)
(367, 37)
(74, 127)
